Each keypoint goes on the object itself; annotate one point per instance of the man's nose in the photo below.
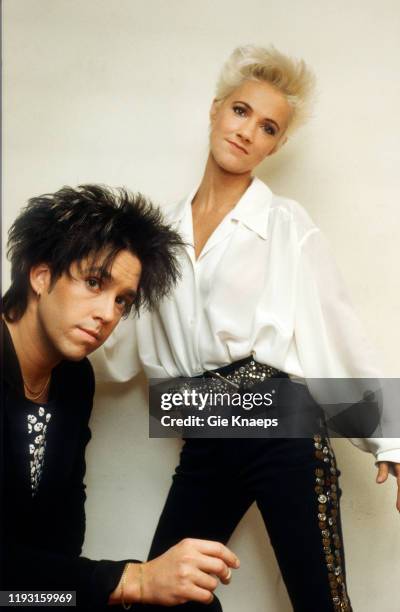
(105, 308)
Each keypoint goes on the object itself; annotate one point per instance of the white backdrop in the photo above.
(118, 92)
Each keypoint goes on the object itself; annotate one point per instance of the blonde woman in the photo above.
(259, 297)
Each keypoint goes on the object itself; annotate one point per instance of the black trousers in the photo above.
(295, 485)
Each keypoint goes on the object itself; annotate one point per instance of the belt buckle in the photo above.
(223, 379)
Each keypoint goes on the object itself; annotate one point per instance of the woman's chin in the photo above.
(232, 167)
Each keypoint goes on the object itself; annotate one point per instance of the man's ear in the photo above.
(40, 278)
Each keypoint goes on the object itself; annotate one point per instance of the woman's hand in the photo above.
(383, 472)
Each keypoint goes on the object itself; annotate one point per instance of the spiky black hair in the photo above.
(88, 222)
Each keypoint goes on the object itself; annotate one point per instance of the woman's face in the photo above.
(248, 125)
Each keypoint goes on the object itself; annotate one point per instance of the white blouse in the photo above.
(265, 285)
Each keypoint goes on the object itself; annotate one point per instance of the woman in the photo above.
(260, 297)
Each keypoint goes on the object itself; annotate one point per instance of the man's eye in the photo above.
(239, 110)
(125, 304)
(93, 283)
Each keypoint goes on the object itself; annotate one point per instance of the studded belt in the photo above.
(237, 376)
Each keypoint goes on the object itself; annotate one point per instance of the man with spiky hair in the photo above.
(81, 259)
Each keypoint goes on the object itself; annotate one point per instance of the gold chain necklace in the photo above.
(32, 394)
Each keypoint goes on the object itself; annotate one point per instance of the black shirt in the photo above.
(42, 535)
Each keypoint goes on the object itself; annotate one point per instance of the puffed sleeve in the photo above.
(118, 359)
(330, 339)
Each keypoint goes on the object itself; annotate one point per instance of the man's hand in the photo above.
(383, 472)
(189, 571)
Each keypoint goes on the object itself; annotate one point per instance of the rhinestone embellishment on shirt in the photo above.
(37, 428)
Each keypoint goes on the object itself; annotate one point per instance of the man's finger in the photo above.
(213, 565)
(205, 581)
(217, 567)
(227, 578)
(216, 549)
(201, 595)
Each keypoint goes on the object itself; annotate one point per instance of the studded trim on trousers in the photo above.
(326, 490)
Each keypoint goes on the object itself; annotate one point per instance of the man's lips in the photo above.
(90, 332)
(238, 146)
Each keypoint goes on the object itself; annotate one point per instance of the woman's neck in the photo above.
(219, 190)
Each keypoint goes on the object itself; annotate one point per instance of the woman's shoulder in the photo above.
(291, 212)
(173, 212)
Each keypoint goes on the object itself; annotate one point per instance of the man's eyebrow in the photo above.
(97, 270)
(131, 293)
(251, 109)
(106, 275)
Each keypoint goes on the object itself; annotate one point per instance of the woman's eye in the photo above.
(239, 110)
(269, 129)
(93, 283)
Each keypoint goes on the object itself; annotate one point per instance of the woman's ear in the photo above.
(40, 278)
(279, 145)
(214, 109)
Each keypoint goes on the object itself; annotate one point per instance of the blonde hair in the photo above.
(292, 77)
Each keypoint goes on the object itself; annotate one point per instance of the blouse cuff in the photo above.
(392, 456)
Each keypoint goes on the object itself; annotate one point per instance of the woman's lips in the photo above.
(237, 146)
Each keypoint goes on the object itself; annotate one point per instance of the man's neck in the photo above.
(35, 357)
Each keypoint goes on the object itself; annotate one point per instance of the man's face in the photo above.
(79, 311)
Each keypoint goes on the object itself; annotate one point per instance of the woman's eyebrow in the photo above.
(252, 109)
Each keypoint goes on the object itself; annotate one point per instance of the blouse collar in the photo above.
(251, 210)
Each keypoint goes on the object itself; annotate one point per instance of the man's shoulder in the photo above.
(82, 367)
(77, 376)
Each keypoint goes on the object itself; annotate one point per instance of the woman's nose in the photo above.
(246, 130)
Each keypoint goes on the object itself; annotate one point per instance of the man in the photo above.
(81, 259)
